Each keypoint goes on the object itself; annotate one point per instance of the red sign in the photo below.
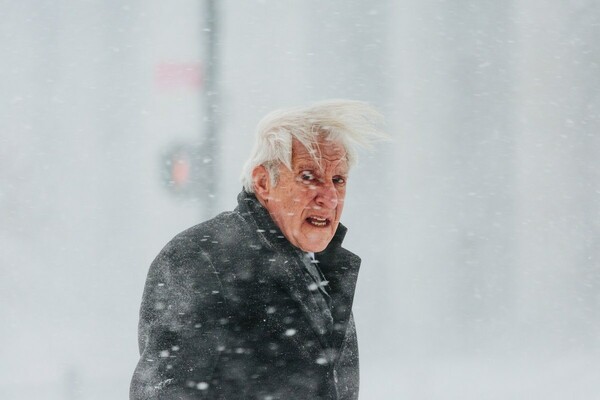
(170, 75)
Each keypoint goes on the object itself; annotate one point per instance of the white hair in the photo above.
(349, 122)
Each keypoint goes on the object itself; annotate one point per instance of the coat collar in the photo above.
(339, 266)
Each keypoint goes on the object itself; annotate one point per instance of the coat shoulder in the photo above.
(223, 231)
(355, 259)
(226, 243)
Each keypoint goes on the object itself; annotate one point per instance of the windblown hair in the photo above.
(352, 123)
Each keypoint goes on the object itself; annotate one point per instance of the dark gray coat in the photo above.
(228, 313)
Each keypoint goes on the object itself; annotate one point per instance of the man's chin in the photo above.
(315, 246)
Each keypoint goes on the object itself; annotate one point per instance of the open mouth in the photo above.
(319, 222)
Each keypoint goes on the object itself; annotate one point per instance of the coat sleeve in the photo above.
(346, 371)
(180, 330)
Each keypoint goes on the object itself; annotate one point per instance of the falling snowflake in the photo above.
(321, 361)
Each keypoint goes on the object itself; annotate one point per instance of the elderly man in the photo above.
(256, 303)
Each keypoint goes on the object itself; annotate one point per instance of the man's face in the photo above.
(307, 201)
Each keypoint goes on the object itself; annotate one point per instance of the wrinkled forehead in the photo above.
(328, 150)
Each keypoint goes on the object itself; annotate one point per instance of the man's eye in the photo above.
(307, 176)
(339, 180)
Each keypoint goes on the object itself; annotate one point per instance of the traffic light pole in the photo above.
(211, 142)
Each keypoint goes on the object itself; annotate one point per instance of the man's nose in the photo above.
(327, 195)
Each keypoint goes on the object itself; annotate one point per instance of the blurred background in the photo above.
(124, 122)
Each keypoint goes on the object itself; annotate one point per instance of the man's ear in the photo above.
(262, 183)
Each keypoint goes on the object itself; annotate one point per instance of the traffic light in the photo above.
(183, 171)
